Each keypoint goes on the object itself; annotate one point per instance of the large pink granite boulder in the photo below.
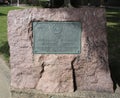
(88, 70)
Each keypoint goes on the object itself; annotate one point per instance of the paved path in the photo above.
(4, 80)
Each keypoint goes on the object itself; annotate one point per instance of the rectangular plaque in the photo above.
(56, 37)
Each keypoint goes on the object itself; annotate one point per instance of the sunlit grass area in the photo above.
(4, 48)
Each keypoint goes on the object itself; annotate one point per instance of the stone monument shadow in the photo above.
(113, 45)
(4, 49)
(1, 14)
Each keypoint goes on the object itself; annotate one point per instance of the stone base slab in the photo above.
(30, 93)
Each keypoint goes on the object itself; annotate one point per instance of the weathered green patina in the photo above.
(56, 37)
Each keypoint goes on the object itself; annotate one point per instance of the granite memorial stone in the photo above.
(58, 51)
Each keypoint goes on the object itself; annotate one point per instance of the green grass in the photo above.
(4, 48)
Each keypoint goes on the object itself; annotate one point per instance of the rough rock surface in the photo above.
(59, 73)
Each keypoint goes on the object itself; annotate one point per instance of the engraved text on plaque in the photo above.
(56, 37)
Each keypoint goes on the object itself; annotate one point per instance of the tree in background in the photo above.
(18, 2)
(61, 3)
(56, 3)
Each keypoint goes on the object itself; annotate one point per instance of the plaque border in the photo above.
(80, 42)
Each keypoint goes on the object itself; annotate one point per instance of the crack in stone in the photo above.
(41, 73)
(73, 74)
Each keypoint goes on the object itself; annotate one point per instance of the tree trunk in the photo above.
(18, 2)
(101, 2)
(67, 3)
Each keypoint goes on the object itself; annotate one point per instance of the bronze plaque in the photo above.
(56, 37)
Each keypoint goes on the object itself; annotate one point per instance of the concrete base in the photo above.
(25, 93)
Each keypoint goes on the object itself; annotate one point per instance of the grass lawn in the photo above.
(4, 48)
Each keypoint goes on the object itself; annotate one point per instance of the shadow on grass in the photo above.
(1, 14)
(114, 45)
(114, 53)
(4, 49)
